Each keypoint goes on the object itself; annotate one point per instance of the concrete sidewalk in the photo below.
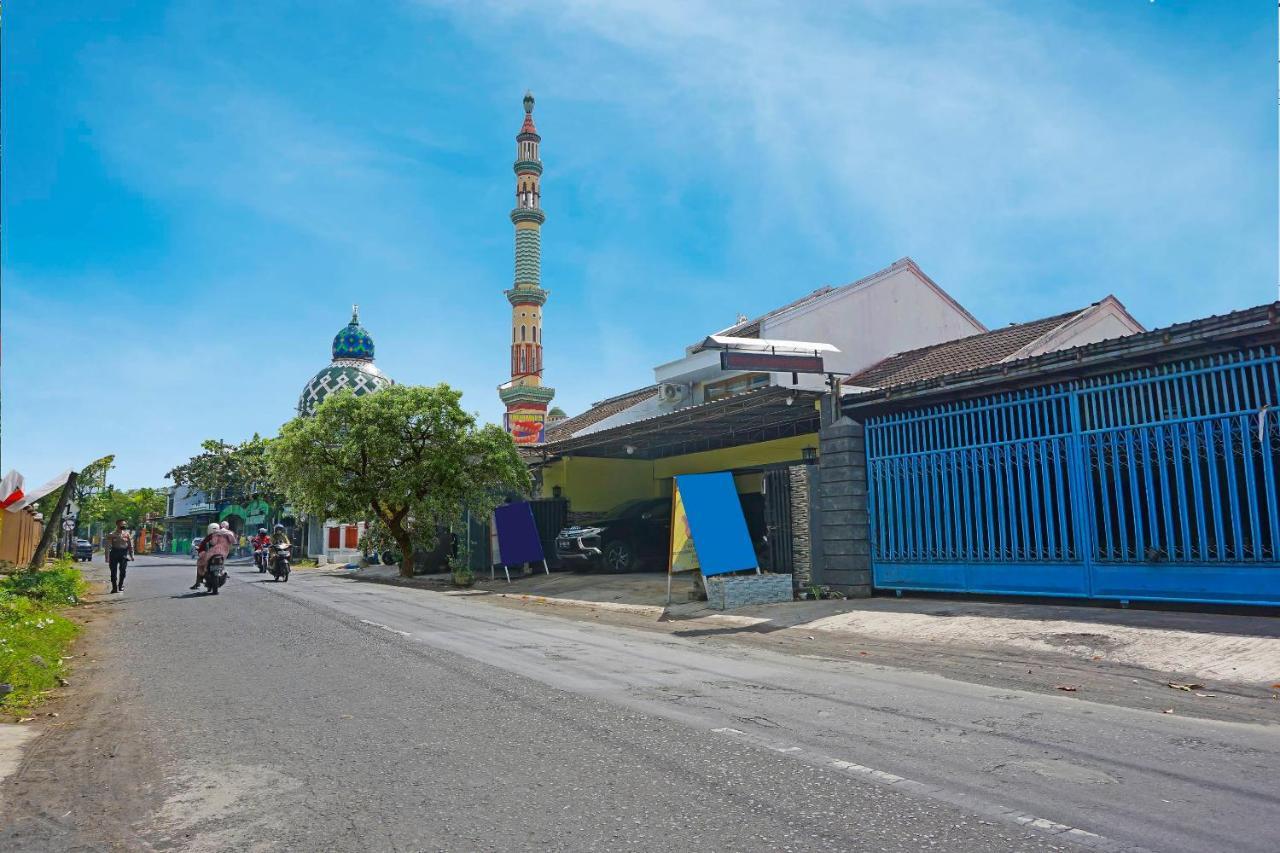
(1214, 647)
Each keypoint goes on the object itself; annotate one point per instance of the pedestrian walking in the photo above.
(119, 550)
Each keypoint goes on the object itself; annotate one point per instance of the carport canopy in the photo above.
(755, 416)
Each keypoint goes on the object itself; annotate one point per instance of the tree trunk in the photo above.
(53, 525)
(405, 544)
(406, 558)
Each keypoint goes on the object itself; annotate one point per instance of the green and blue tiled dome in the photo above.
(352, 367)
(353, 341)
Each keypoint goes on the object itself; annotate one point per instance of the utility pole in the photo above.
(53, 524)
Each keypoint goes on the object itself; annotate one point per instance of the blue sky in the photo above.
(195, 192)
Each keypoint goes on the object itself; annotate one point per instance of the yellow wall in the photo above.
(597, 485)
(729, 458)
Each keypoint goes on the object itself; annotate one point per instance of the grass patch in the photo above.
(33, 632)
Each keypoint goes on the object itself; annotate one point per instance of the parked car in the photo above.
(83, 551)
(637, 534)
(633, 534)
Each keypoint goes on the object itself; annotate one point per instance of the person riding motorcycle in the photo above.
(261, 545)
(279, 539)
(218, 541)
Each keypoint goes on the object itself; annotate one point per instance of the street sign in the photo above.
(68, 525)
(772, 362)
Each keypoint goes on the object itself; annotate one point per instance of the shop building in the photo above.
(763, 426)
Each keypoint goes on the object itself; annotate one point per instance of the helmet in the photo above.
(213, 525)
(262, 530)
(279, 527)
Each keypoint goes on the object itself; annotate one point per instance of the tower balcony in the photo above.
(512, 394)
(527, 295)
(528, 167)
(528, 214)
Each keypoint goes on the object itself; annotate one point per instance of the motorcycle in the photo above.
(280, 563)
(215, 575)
(260, 558)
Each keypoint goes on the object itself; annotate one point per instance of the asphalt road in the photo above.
(329, 714)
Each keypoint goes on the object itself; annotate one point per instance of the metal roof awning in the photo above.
(748, 418)
(726, 342)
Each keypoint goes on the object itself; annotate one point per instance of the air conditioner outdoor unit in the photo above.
(672, 392)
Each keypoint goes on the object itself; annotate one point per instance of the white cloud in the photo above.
(958, 130)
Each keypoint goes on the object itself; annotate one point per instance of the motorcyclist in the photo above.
(261, 547)
(218, 541)
(279, 539)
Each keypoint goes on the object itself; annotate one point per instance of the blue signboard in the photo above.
(719, 530)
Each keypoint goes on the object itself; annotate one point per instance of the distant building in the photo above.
(524, 395)
(187, 513)
(352, 368)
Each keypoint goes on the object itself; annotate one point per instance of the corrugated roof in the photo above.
(966, 353)
(598, 412)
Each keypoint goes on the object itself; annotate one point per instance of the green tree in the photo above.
(222, 466)
(133, 505)
(408, 457)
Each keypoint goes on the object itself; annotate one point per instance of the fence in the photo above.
(1156, 483)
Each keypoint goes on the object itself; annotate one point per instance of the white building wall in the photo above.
(1100, 322)
(894, 314)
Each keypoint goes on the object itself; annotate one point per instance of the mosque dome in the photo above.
(352, 367)
(353, 341)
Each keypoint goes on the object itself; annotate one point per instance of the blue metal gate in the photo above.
(1158, 483)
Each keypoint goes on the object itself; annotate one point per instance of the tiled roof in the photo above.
(967, 353)
(598, 412)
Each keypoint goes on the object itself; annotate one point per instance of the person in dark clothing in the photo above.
(118, 546)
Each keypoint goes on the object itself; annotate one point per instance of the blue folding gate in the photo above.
(1158, 483)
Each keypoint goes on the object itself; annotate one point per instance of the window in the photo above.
(521, 331)
(333, 537)
(735, 385)
(351, 536)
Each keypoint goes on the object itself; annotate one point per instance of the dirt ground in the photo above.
(87, 727)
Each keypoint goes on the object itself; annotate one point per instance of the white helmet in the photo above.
(213, 526)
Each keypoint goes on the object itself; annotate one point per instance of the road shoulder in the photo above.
(1076, 671)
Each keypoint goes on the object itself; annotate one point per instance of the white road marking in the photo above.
(387, 628)
(952, 797)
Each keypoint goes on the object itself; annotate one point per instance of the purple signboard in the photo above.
(518, 540)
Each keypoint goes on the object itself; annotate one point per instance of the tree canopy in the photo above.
(133, 505)
(407, 456)
(221, 466)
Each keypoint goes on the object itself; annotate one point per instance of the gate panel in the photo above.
(1152, 483)
(778, 521)
(1182, 463)
(976, 496)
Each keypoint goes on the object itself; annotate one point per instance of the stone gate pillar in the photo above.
(843, 526)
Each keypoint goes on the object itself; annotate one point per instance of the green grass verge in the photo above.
(34, 634)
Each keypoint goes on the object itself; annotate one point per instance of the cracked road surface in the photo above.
(329, 714)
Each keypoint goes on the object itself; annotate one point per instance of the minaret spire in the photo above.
(525, 396)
